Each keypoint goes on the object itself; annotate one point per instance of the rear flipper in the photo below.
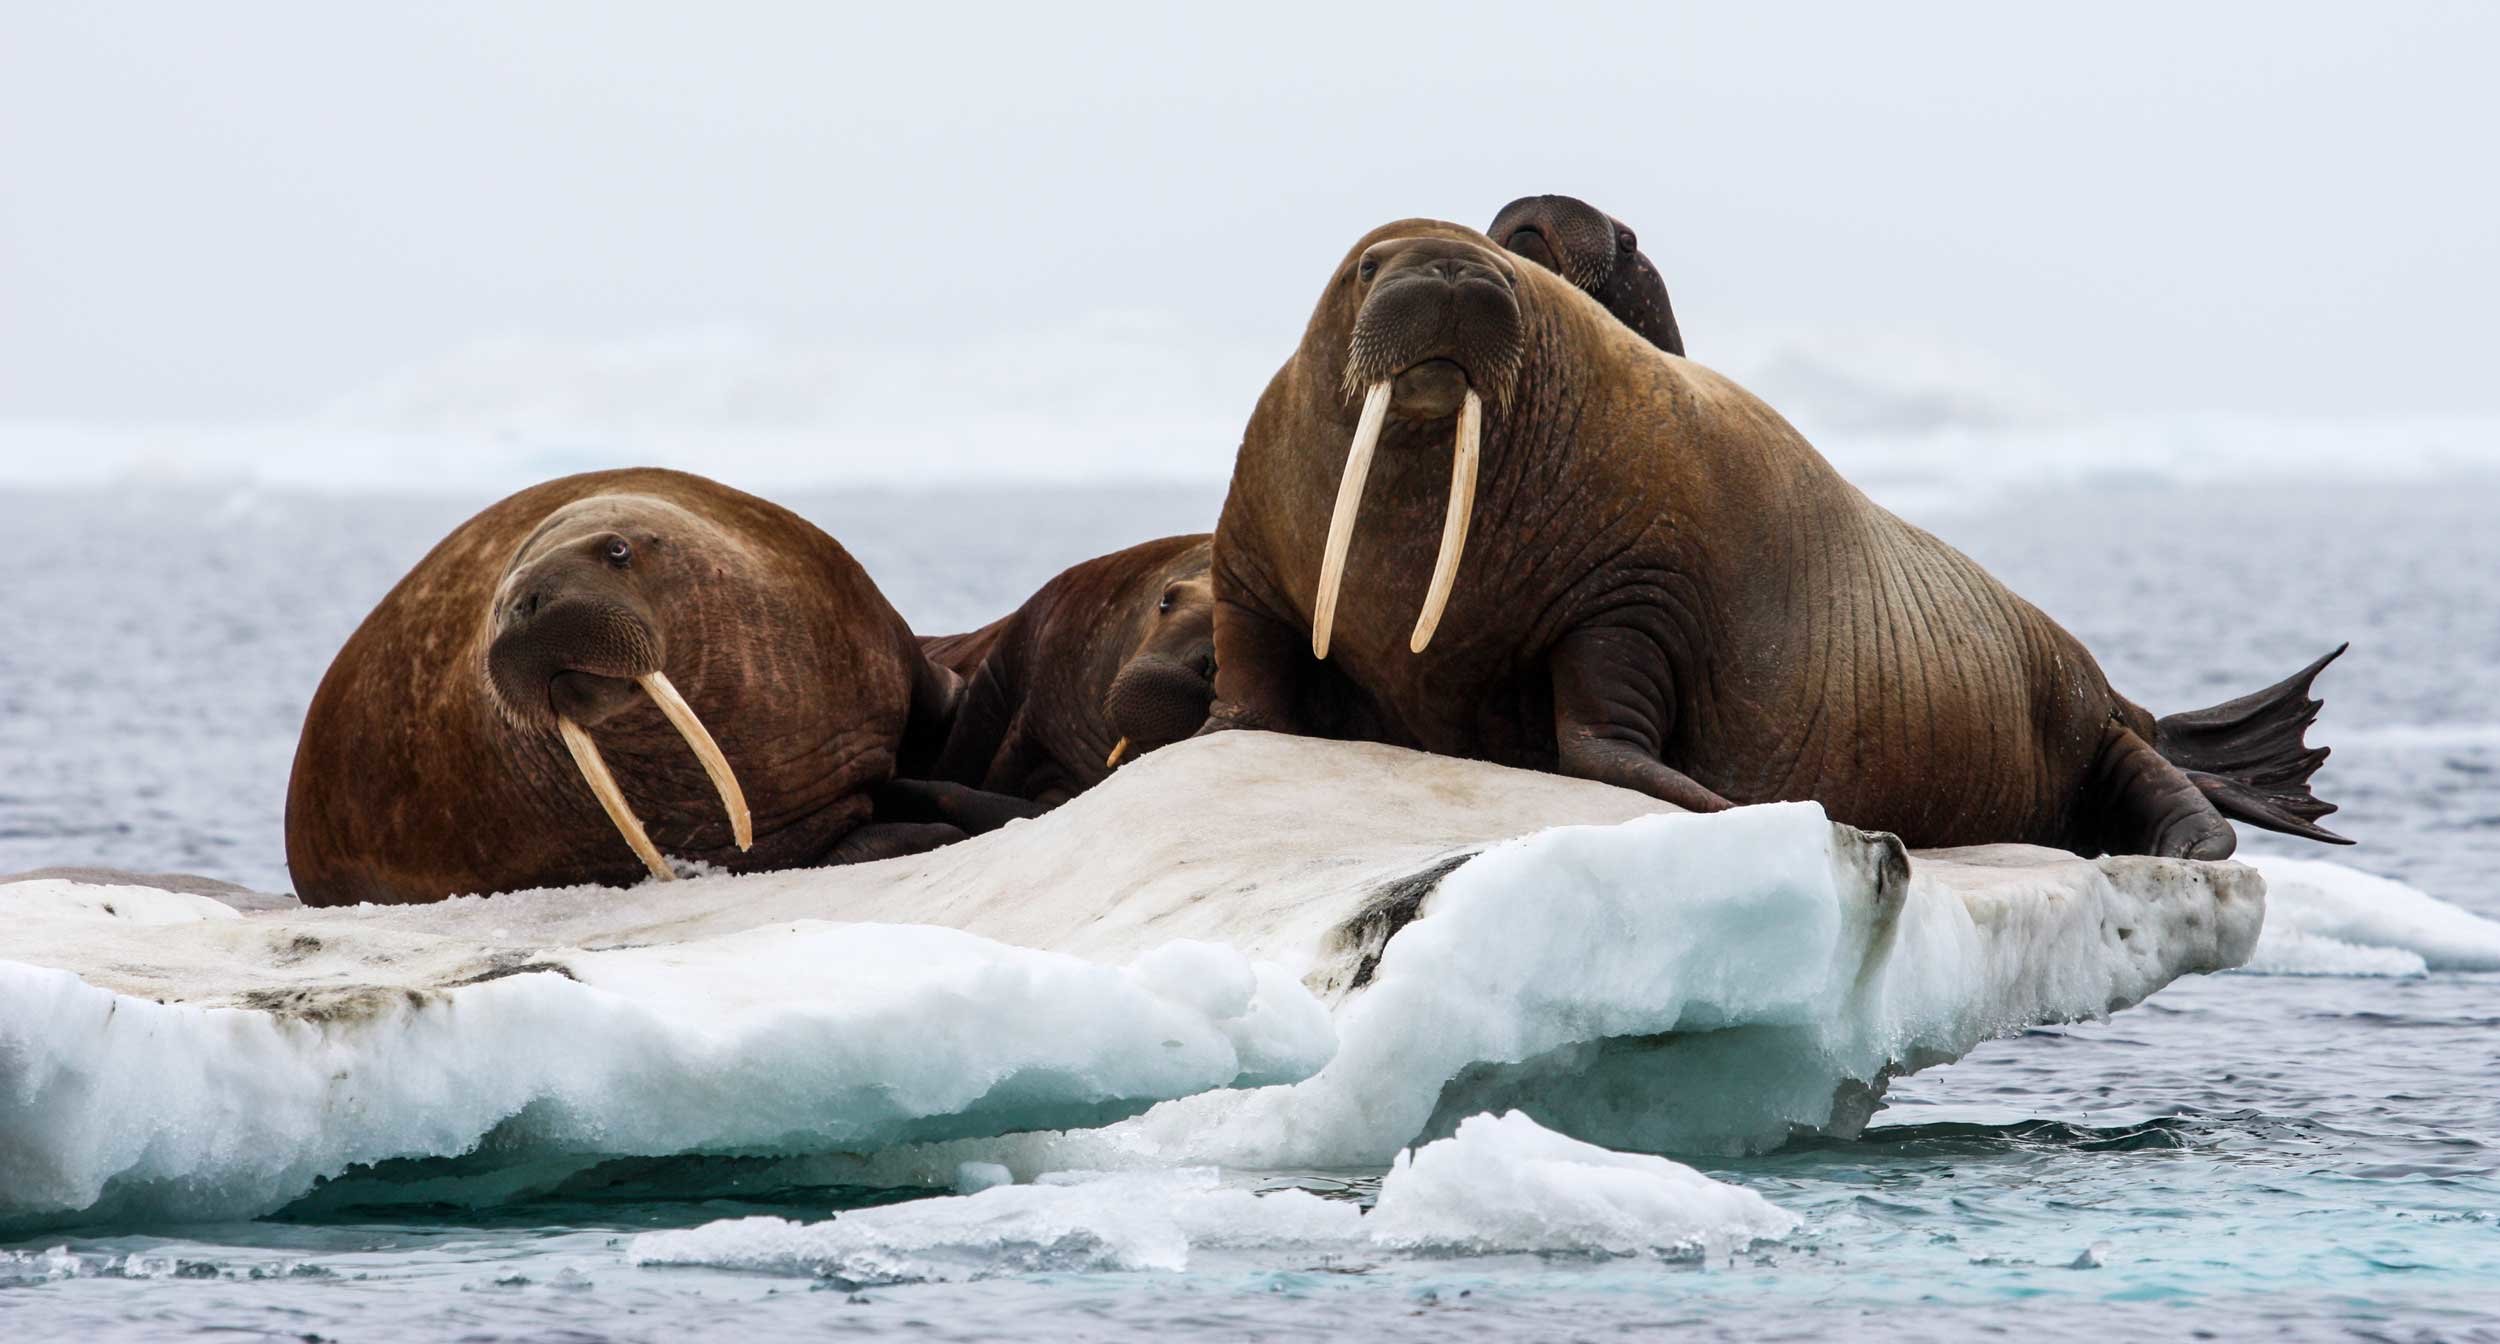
(2139, 803)
(2250, 758)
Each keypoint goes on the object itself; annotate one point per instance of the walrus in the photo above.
(602, 671)
(1582, 554)
(1111, 659)
(1597, 253)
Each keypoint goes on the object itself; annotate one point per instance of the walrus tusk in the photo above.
(741, 825)
(1453, 526)
(1358, 469)
(603, 787)
(1118, 749)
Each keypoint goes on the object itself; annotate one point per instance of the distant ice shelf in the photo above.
(1283, 953)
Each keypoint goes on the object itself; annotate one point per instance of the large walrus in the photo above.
(1106, 662)
(1629, 569)
(601, 671)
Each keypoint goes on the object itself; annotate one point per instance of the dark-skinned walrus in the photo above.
(1630, 570)
(603, 670)
(1599, 254)
(1106, 662)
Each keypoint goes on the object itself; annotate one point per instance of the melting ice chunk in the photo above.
(1496, 1185)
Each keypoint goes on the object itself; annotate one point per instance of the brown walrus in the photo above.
(559, 691)
(1640, 574)
(1106, 662)
(1597, 253)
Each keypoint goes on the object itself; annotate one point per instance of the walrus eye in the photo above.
(1367, 268)
(1625, 242)
(1166, 604)
(618, 551)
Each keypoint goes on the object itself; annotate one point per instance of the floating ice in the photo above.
(800, 1037)
(1509, 1184)
(1497, 1185)
(1487, 939)
(1083, 1222)
(2323, 918)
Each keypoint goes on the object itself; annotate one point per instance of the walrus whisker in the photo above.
(741, 824)
(1118, 750)
(1358, 469)
(611, 799)
(1463, 457)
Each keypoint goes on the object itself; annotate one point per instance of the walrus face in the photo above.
(1598, 254)
(577, 638)
(1437, 329)
(1161, 694)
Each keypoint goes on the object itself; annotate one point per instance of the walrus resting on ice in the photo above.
(1599, 254)
(1630, 570)
(1106, 662)
(600, 670)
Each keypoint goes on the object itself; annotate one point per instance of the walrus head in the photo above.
(1597, 253)
(1163, 689)
(576, 637)
(1433, 325)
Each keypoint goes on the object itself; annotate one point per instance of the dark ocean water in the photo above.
(2247, 1156)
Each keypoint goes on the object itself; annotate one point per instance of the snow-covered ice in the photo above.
(1222, 914)
(2323, 918)
(1497, 1185)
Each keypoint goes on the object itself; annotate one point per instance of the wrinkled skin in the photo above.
(1598, 254)
(430, 764)
(1665, 587)
(1121, 647)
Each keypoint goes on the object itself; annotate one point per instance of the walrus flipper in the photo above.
(2140, 803)
(2251, 757)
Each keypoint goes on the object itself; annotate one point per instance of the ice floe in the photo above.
(1496, 1185)
(1221, 915)
(2324, 918)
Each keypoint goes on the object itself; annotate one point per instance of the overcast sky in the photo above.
(245, 211)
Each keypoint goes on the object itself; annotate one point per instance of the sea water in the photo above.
(2244, 1156)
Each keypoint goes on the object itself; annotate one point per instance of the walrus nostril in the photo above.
(1531, 244)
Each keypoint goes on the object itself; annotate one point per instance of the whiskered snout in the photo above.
(1438, 319)
(567, 657)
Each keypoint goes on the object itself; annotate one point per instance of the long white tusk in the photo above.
(1118, 750)
(1358, 469)
(741, 825)
(603, 787)
(1454, 525)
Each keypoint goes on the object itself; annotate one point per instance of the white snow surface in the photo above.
(1497, 1185)
(2323, 918)
(1510, 1184)
(1221, 914)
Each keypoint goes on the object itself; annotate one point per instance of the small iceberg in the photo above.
(2323, 918)
(1282, 952)
(1497, 1185)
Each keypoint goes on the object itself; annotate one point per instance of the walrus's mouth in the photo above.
(1358, 467)
(602, 784)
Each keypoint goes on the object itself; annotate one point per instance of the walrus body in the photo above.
(1109, 660)
(1664, 587)
(434, 758)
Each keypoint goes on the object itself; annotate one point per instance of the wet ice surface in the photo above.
(2256, 1156)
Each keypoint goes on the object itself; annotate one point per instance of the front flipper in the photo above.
(2138, 803)
(1262, 666)
(1611, 717)
(891, 840)
(966, 809)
